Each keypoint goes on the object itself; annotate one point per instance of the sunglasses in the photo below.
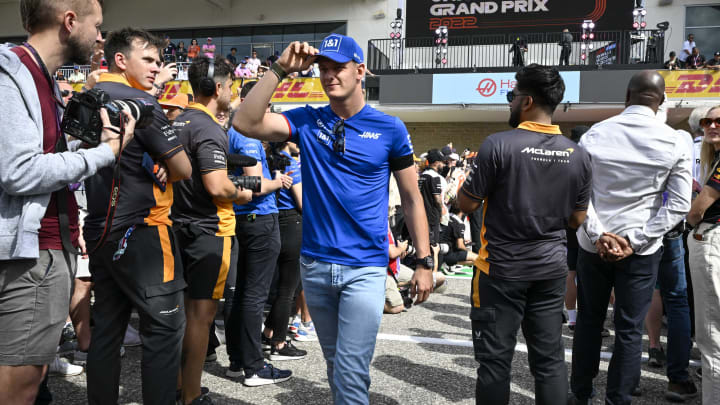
(706, 122)
(339, 132)
(511, 96)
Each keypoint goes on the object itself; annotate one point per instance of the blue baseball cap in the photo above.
(341, 49)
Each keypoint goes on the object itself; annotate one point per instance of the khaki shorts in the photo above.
(34, 303)
(392, 294)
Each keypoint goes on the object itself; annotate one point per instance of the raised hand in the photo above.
(298, 56)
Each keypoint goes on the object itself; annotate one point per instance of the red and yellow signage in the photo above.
(297, 91)
(691, 83)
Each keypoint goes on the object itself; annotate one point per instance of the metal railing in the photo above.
(492, 51)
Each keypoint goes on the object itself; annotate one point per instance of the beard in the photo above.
(514, 120)
(79, 53)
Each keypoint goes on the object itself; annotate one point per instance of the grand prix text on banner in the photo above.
(465, 17)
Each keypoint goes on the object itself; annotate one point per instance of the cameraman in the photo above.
(202, 214)
(258, 236)
(39, 223)
(136, 265)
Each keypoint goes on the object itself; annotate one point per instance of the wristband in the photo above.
(279, 71)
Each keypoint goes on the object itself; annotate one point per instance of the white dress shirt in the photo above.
(635, 159)
(687, 46)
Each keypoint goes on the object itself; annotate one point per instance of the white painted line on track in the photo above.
(521, 347)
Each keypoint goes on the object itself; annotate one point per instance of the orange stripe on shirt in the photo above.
(168, 256)
(481, 263)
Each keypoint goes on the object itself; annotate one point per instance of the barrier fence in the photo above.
(494, 51)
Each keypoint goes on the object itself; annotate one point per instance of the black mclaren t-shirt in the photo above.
(532, 179)
(207, 146)
(140, 201)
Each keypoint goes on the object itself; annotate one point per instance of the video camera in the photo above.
(82, 114)
(235, 161)
(278, 161)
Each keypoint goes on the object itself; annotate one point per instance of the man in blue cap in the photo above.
(349, 150)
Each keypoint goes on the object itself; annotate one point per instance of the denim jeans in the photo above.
(346, 305)
(634, 281)
(673, 289)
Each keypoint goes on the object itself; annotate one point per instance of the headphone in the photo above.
(207, 84)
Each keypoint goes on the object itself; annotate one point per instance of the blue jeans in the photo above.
(346, 305)
(673, 289)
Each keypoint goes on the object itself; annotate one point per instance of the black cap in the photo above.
(435, 155)
(446, 150)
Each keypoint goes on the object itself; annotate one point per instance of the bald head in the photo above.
(646, 88)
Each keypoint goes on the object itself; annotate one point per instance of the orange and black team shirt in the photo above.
(207, 146)
(141, 201)
(532, 179)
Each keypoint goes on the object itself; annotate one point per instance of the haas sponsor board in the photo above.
(464, 17)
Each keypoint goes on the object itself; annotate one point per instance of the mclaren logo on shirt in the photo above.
(547, 152)
(549, 155)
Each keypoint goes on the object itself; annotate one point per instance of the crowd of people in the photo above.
(691, 58)
(170, 210)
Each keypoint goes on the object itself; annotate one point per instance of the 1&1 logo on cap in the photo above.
(331, 43)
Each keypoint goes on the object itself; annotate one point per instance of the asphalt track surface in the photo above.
(423, 356)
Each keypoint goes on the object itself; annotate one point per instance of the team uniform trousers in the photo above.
(259, 246)
(505, 306)
(147, 277)
(634, 281)
(288, 273)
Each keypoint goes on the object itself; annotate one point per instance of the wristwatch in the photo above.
(427, 261)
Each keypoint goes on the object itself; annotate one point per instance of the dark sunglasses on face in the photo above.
(706, 122)
(339, 132)
(511, 96)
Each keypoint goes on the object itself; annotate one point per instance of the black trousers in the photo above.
(149, 277)
(634, 280)
(499, 308)
(288, 273)
(259, 246)
(565, 55)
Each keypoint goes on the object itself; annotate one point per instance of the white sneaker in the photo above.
(132, 337)
(306, 332)
(60, 366)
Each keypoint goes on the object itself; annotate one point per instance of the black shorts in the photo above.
(206, 261)
(454, 257)
(434, 234)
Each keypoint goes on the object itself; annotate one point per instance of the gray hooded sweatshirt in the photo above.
(28, 176)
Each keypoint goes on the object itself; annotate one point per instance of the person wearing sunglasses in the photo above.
(703, 245)
(349, 150)
(534, 183)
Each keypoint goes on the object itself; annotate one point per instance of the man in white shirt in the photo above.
(687, 49)
(254, 63)
(636, 158)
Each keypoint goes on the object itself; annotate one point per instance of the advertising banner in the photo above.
(692, 83)
(465, 17)
(297, 91)
(489, 88)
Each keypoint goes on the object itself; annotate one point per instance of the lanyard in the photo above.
(51, 82)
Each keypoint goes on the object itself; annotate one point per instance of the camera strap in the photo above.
(114, 194)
